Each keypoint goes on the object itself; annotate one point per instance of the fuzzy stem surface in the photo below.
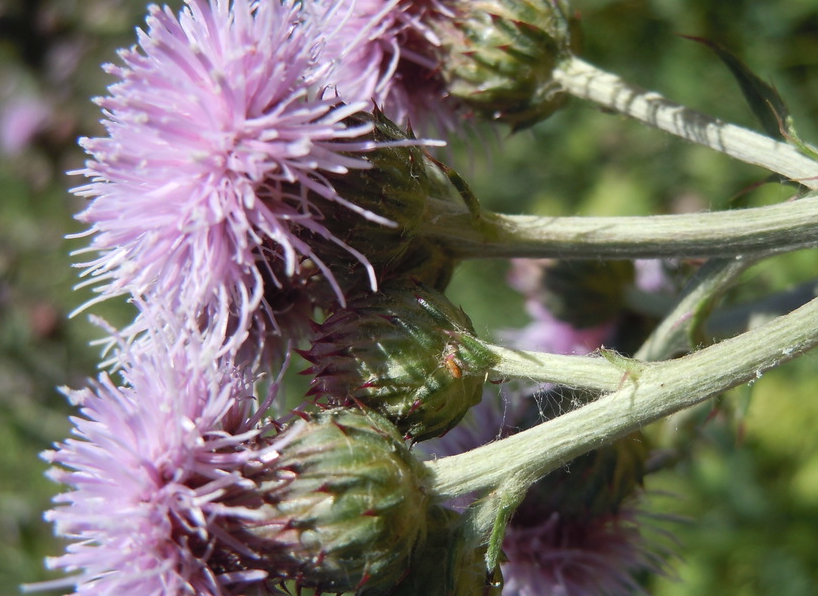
(657, 390)
(586, 81)
(581, 372)
(770, 229)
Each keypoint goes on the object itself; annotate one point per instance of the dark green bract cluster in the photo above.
(499, 57)
(585, 293)
(395, 189)
(408, 353)
(343, 506)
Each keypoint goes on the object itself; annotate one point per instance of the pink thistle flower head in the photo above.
(394, 62)
(556, 556)
(219, 130)
(151, 470)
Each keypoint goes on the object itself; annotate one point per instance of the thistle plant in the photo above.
(261, 191)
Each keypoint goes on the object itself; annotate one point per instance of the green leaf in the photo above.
(764, 100)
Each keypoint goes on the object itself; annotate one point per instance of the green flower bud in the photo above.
(343, 507)
(425, 260)
(408, 353)
(498, 56)
(444, 566)
(586, 293)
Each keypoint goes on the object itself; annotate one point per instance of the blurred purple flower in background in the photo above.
(221, 125)
(545, 332)
(569, 329)
(554, 555)
(150, 470)
(21, 118)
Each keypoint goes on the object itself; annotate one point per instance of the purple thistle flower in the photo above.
(219, 129)
(151, 470)
(394, 61)
(21, 118)
(554, 555)
(545, 332)
(548, 332)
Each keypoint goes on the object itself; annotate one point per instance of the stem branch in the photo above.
(770, 229)
(585, 81)
(675, 333)
(659, 389)
(586, 372)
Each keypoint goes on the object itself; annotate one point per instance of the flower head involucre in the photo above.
(151, 469)
(220, 128)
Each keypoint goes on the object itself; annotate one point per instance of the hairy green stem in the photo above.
(585, 81)
(581, 372)
(770, 229)
(657, 390)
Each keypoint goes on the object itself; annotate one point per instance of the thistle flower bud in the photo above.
(408, 353)
(498, 56)
(585, 293)
(343, 506)
(445, 566)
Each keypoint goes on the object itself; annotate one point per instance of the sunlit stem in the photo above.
(735, 233)
(657, 390)
(583, 80)
(581, 372)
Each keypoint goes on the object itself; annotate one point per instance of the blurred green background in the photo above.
(748, 490)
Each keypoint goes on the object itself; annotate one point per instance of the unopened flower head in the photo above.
(396, 187)
(341, 509)
(408, 353)
(150, 472)
(405, 185)
(220, 128)
(498, 56)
